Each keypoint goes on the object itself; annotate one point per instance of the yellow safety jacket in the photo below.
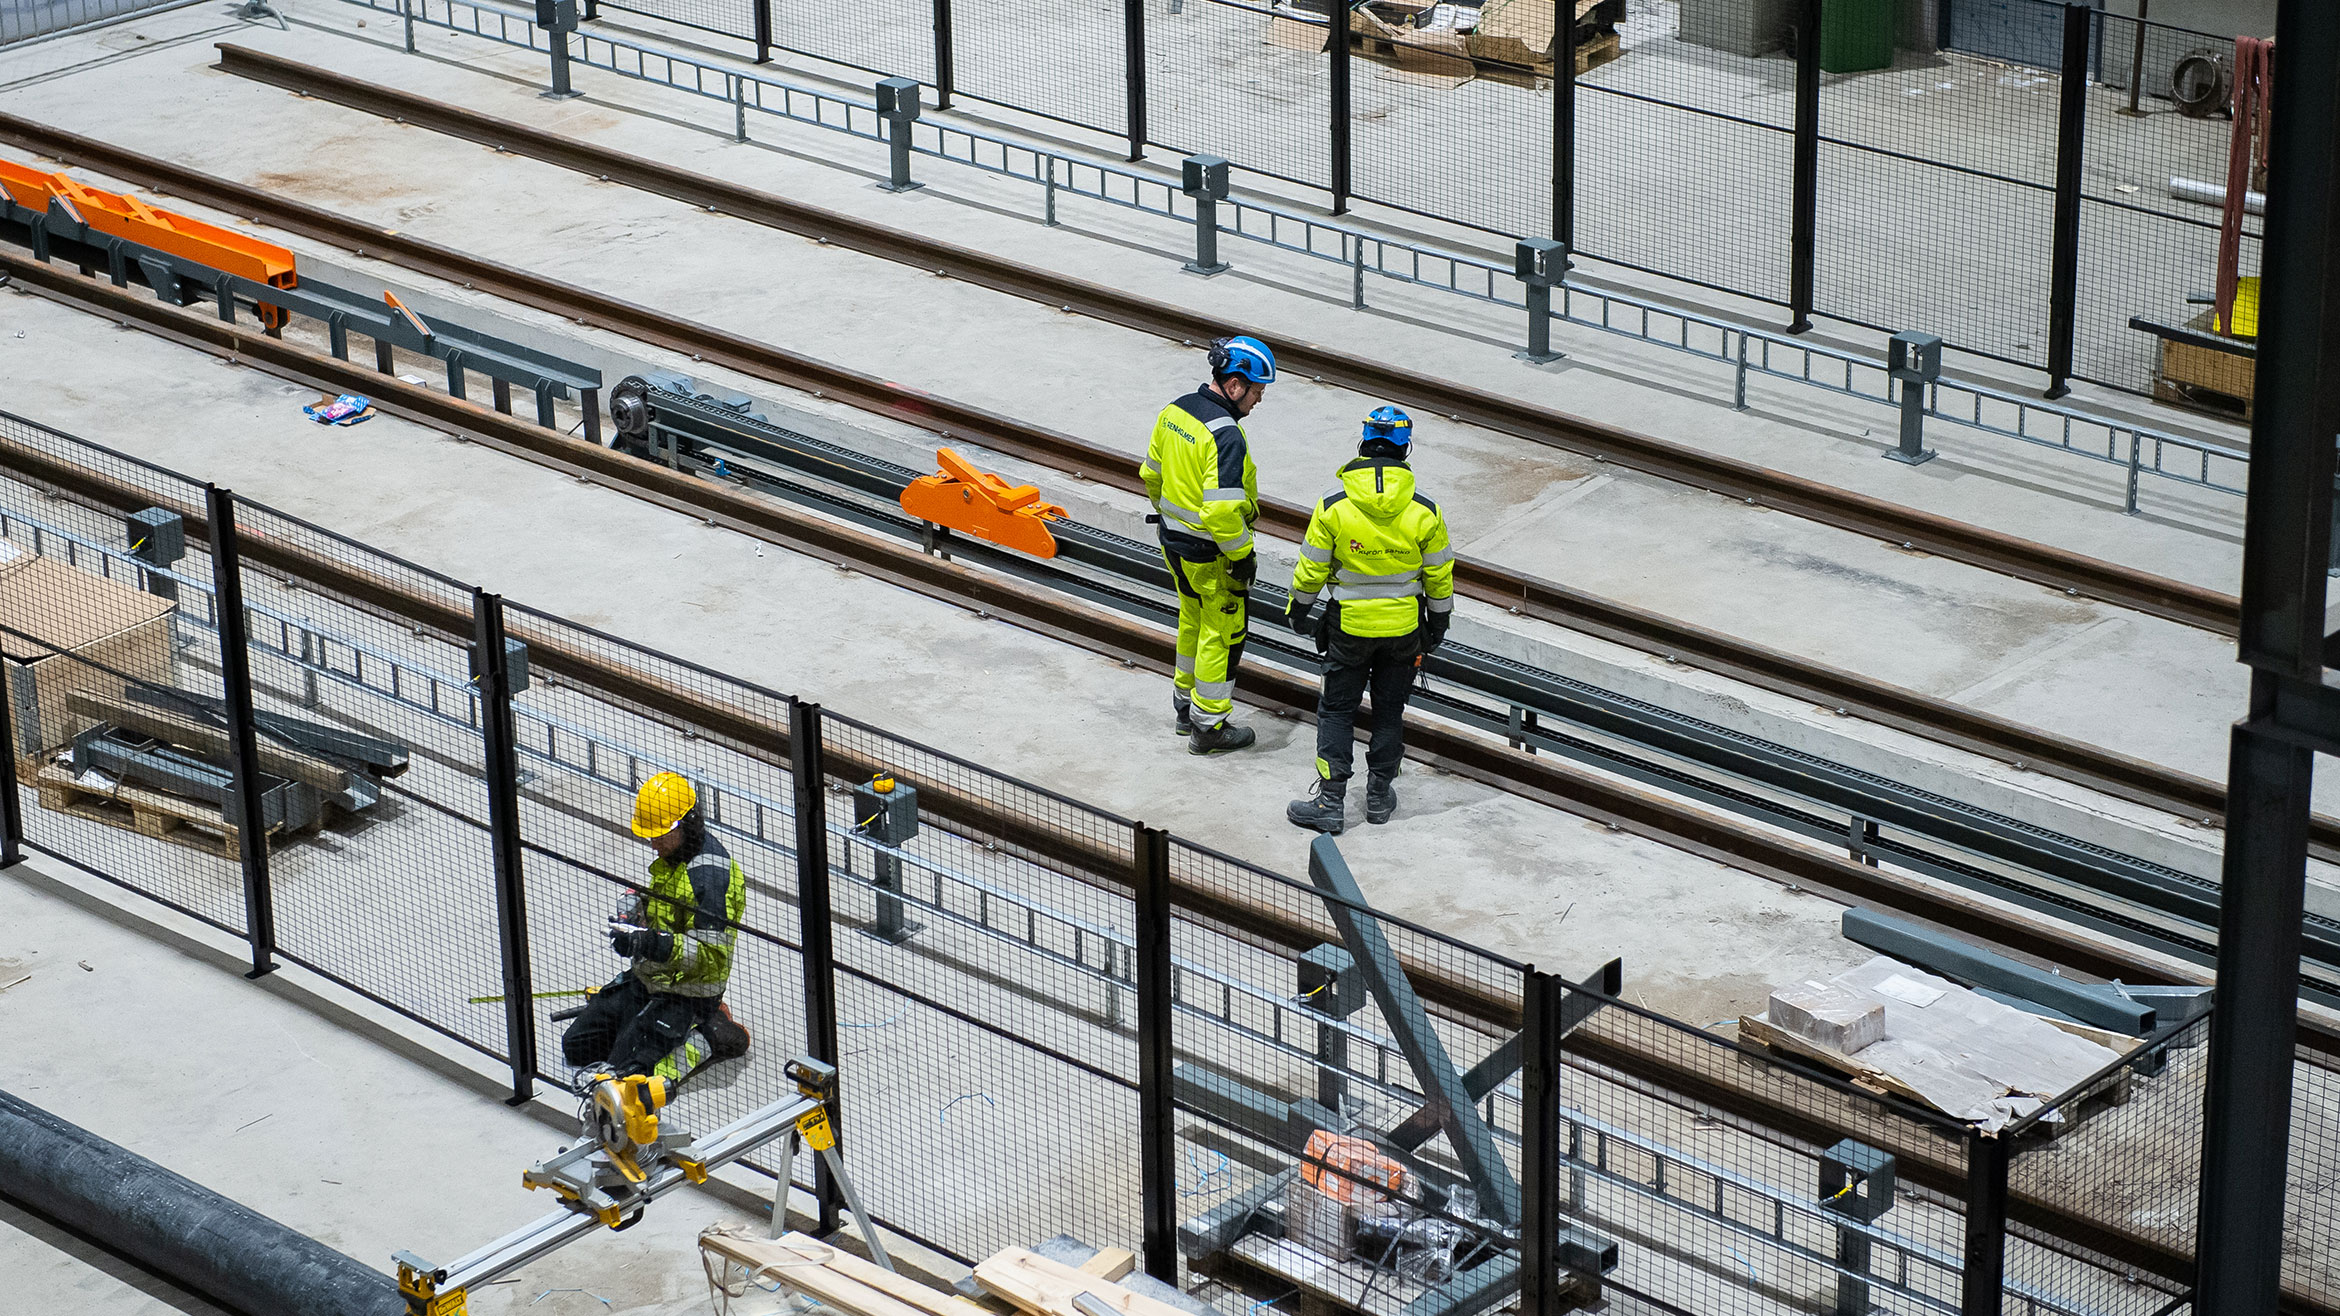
(1381, 546)
(700, 902)
(1199, 477)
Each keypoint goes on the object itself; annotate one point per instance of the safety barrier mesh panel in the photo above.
(2144, 252)
(1223, 79)
(22, 20)
(1462, 143)
(1683, 158)
(1066, 60)
(985, 1012)
(735, 18)
(891, 37)
(395, 897)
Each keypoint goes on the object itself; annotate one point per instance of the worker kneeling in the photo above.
(665, 1014)
(1382, 547)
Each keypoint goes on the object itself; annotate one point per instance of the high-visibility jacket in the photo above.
(1199, 476)
(1381, 546)
(700, 901)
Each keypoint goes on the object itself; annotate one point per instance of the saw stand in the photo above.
(596, 1193)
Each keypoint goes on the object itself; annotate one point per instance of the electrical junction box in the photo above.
(897, 99)
(889, 817)
(1856, 1180)
(1203, 175)
(559, 15)
(1330, 983)
(157, 536)
(1914, 358)
(1540, 260)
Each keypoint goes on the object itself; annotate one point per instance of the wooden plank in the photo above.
(211, 741)
(804, 1265)
(1761, 1031)
(135, 809)
(1047, 1288)
(1110, 1263)
(934, 1301)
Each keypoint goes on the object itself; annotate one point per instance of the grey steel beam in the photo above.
(1474, 1146)
(1504, 1061)
(2090, 1004)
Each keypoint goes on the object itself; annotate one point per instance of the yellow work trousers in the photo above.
(1210, 636)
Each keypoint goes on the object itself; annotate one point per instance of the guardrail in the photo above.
(1746, 351)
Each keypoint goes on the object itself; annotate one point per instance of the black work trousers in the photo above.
(1355, 666)
(631, 1028)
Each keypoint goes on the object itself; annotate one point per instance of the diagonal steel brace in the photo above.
(1504, 1061)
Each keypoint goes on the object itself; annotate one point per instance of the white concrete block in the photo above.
(1832, 1016)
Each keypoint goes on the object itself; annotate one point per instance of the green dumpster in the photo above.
(1856, 35)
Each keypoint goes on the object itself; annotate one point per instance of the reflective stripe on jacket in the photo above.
(1199, 477)
(1380, 546)
(700, 902)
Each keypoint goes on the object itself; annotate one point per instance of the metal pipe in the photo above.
(178, 1228)
(2214, 194)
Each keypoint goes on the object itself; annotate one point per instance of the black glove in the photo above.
(1434, 631)
(1300, 615)
(642, 943)
(1244, 569)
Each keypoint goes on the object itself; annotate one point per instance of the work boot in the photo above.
(1325, 810)
(1182, 709)
(1380, 796)
(1219, 739)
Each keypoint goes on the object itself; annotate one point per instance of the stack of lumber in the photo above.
(1038, 1286)
(1025, 1280)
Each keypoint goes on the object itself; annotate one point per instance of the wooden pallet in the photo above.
(192, 823)
(2112, 1090)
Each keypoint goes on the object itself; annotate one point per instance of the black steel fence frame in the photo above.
(1974, 1182)
(2064, 350)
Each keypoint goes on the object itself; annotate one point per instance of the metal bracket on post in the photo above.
(558, 18)
(498, 673)
(1856, 1183)
(897, 106)
(1540, 263)
(1204, 180)
(1330, 986)
(886, 811)
(235, 675)
(157, 536)
(1914, 361)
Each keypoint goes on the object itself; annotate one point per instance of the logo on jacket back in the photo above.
(1362, 551)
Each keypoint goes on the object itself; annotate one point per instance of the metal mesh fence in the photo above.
(1067, 61)
(1440, 134)
(1231, 80)
(985, 984)
(22, 20)
(735, 18)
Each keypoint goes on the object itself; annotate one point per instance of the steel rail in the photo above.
(1881, 702)
(1943, 536)
(1689, 1074)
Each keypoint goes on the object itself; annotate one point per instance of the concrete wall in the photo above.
(2225, 18)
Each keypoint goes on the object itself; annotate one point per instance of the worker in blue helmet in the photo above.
(1205, 493)
(1381, 548)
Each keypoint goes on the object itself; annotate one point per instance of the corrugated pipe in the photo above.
(176, 1228)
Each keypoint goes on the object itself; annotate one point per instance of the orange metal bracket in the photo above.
(126, 217)
(983, 505)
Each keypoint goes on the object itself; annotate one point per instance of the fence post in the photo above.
(1157, 1115)
(2064, 249)
(491, 672)
(1564, 124)
(1336, 28)
(1539, 1144)
(235, 675)
(406, 16)
(763, 31)
(558, 18)
(816, 919)
(1804, 219)
(1986, 1226)
(1133, 73)
(1540, 263)
(1204, 180)
(11, 804)
(946, 72)
(898, 108)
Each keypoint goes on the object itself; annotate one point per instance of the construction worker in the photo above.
(1205, 492)
(681, 934)
(1382, 546)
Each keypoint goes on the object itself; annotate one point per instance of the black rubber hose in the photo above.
(177, 1228)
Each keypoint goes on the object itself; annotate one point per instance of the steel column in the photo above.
(1336, 44)
(816, 919)
(2064, 248)
(946, 71)
(491, 673)
(235, 674)
(763, 31)
(1984, 1282)
(2286, 546)
(1157, 1115)
(1133, 72)
(1540, 1145)
(11, 803)
(1564, 124)
(1804, 211)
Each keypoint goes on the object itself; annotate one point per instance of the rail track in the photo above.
(1943, 536)
(1885, 704)
(1719, 1083)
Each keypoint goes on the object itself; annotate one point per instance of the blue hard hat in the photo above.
(1243, 355)
(1391, 426)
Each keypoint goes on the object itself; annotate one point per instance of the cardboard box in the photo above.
(68, 630)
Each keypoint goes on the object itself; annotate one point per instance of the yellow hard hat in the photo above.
(661, 803)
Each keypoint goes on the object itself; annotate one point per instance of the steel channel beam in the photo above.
(1876, 701)
(1707, 1076)
(1928, 532)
